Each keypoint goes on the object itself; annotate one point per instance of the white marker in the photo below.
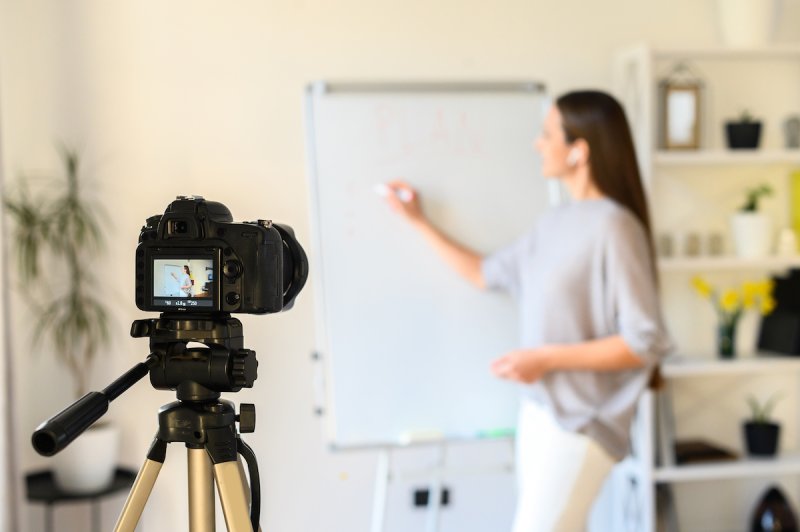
(402, 194)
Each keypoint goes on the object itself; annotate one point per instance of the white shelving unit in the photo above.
(790, 51)
(636, 72)
(664, 158)
(694, 367)
(785, 464)
(682, 367)
(725, 263)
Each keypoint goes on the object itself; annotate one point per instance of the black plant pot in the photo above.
(743, 135)
(761, 438)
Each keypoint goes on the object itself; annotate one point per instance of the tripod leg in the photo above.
(142, 486)
(201, 491)
(232, 495)
(245, 485)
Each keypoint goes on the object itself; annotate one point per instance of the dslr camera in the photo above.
(194, 258)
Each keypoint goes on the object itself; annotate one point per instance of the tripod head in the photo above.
(197, 374)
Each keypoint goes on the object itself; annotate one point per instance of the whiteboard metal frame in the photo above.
(323, 87)
(324, 404)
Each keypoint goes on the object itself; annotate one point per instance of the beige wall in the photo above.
(166, 98)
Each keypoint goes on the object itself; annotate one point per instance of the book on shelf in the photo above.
(695, 451)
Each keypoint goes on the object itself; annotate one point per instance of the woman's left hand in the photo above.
(524, 365)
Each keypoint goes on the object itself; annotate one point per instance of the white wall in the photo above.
(166, 98)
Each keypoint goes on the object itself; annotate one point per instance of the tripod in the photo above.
(199, 419)
(209, 433)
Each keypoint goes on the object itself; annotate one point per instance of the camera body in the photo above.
(195, 258)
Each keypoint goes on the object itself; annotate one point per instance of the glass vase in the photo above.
(726, 340)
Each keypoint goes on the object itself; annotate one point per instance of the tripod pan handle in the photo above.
(58, 431)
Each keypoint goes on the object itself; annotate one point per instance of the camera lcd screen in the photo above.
(183, 283)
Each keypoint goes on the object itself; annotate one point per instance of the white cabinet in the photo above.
(695, 192)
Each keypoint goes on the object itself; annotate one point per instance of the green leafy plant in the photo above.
(745, 117)
(57, 237)
(753, 197)
(761, 412)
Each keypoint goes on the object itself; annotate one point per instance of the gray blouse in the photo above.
(583, 273)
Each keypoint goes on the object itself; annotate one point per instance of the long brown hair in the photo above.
(599, 119)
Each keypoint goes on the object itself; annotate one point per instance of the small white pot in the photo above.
(752, 234)
(747, 23)
(88, 463)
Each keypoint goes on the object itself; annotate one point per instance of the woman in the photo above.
(592, 332)
(185, 281)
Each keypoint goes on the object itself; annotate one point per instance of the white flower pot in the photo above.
(752, 234)
(747, 23)
(89, 462)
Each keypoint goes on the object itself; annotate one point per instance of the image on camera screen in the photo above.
(183, 282)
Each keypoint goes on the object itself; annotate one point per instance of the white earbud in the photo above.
(572, 157)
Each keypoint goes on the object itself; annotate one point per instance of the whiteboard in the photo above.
(405, 342)
(171, 286)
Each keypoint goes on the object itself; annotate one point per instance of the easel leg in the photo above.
(435, 492)
(201, 491)
(233, 496)
(666, 426)
(142, 486)
(48, 517)
(381, 486)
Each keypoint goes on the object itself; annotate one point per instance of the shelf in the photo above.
(791, 51)
(726, 157)
(784, 464)
(725, 263)
(678, 367)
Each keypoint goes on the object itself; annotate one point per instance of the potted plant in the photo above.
(752, 229)
(60, 227)
(761, 434)
(743, 133)
(730, 304)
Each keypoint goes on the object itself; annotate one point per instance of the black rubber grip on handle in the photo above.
(58, 431)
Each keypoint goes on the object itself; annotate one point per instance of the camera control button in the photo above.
(232, 298)
(232, 269)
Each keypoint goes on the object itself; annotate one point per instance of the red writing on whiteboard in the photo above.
(403, 133)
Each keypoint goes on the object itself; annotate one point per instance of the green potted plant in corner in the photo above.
(743, 133)
(57, 237)
(752, 229)
(761, 434)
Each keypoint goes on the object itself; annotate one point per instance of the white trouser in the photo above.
(559, 473)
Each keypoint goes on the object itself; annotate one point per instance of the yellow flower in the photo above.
(767, 287)
(750, 291)
(702, 287)
(729, 301)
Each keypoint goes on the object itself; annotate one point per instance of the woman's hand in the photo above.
(410, 210)
(524, 365)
